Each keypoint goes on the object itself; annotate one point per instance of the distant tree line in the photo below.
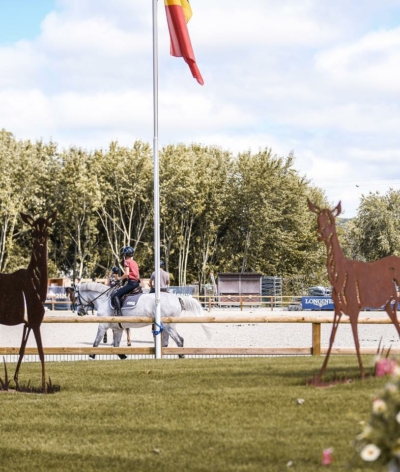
(219, 212)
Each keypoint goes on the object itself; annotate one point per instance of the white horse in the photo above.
(93, 293)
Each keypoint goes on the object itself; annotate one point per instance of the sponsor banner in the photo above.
(326, 303)
(317, 303)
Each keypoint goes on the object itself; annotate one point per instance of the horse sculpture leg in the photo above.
(393, 312)
(354, 327)
(36, 332)
(128, 337)
(336, 321)
(25, 335)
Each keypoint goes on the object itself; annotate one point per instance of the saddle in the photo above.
(135, 291)
(134, 294)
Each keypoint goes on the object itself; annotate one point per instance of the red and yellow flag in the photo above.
(178, 14)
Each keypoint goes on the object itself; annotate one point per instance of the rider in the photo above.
(131, 273)
(114, 276)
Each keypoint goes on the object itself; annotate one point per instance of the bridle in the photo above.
(81, 308)
(83, 305)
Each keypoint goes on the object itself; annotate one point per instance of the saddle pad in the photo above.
(131, 301)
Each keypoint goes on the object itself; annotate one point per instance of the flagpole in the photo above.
(157, 314)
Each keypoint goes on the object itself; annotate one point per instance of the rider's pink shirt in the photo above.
(133, 269)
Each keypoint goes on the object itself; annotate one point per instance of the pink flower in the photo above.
(384, 366)
(327, 456)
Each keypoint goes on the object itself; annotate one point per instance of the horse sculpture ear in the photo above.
(27, 219)
(52, 218)
(337, 210)
(312, 207)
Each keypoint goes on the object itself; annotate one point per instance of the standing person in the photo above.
(131, 274)
(164, 279)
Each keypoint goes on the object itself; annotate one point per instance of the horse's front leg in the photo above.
(100, 334)
(117, 334)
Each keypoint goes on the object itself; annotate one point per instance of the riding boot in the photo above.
(117, 305)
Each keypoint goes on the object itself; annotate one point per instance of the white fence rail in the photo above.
(314, 349)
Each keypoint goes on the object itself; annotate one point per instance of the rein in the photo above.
(87, 303)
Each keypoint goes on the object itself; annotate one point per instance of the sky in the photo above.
(313, 77)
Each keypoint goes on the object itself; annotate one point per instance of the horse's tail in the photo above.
(194, 306)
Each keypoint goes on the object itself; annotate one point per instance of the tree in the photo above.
(214, 170)
(179, 205)
(24, 187)
(78, 198)
(270, 229)
(126, 206)
(218, 212)
(378, 223)
(193, 189)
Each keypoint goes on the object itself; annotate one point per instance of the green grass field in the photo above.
(186, 415)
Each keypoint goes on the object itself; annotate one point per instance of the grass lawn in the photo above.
(232, 414)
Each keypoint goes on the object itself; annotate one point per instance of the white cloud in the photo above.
(26, 113)
(229, 25)
(91, 36)
(370, 63)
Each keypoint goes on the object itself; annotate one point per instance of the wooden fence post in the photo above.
(316, 339)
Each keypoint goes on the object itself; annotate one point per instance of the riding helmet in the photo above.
(128, 251)
(162, 263)
(115, 270)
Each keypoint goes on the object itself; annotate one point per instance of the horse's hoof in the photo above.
(122, 356)
(129, 344)
(181, 356)
(105, 340)
(92, 357)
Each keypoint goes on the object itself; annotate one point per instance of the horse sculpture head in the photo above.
(325, 220)
(40, 226)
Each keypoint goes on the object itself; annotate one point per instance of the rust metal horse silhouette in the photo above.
(28, 288)
(355, 284)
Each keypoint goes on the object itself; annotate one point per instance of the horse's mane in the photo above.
(94, 287)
